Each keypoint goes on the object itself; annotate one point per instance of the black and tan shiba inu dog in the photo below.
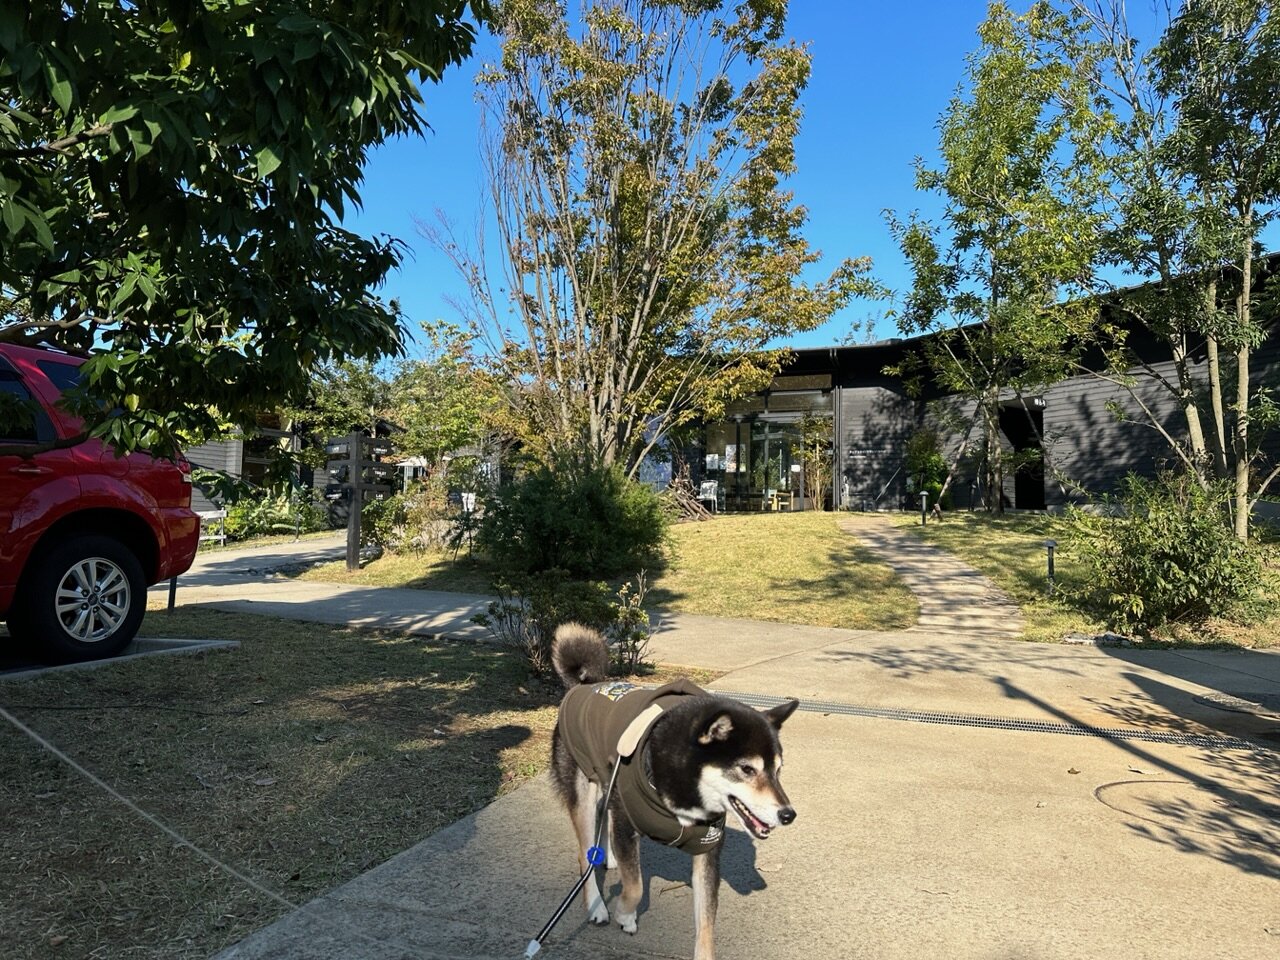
(688, 759)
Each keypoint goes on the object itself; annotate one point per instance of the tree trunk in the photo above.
(995, 453)
(1240, 440)
(1215, 392)
(1190, 408)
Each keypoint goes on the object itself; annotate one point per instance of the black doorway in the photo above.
(1024, 426)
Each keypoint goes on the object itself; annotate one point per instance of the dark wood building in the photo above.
(1078, 438)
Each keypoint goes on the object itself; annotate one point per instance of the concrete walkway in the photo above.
(997, 829)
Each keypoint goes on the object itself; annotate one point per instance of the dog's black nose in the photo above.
(786, 815)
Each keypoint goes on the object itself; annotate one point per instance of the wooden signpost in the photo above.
(355, 472)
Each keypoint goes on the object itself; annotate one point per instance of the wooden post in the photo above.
(354, 451)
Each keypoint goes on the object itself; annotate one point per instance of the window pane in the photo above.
(21, 419)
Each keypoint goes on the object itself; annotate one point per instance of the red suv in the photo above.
(83, 532)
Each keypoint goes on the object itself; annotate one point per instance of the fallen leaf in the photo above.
(1073, 770)
(322, 737)
(1039, 804)
(46, 796)
(57, 940)
(1136, 770)
(256, 702)
(264, 781)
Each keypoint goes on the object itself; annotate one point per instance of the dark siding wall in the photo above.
(875, 425)
(1090, 449)
(221, 455)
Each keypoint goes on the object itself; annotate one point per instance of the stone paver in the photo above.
(954, 597)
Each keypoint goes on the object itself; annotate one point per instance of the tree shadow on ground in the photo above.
(1230, 814)
(985, 658)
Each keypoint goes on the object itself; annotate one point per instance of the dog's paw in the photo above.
(628, 922)
(598, 913)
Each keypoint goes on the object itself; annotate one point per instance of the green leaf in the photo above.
(13, 216)
(268, 161)
(59, 85)
(119, 113)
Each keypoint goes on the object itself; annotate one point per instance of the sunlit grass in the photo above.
(1011, 550)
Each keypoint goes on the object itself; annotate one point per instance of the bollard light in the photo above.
(924, 507)
(1049, 546)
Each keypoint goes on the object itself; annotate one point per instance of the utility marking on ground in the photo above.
(1001, 723)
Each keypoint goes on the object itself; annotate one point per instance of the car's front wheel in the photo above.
(82, 600)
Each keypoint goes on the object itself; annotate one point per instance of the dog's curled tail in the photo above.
(579, 655)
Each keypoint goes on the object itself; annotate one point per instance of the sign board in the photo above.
(376, 448)
(379, 491)
(335, 491)
(374, 472)
(335, 448)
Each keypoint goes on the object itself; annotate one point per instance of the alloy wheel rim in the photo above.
(92, 600)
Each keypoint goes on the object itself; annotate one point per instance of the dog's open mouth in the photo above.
(758, 828)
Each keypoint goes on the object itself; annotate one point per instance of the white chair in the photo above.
(709, 492)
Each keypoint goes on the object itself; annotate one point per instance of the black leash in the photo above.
(595, 857)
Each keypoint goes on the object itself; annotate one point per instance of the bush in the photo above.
(529, 609)
(263, 514)
(382, 522)
(1166, 556)
(586, 521)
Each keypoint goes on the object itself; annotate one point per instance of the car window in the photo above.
(22, 420)
(64, 376)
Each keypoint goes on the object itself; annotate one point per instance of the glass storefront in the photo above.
(754, 457)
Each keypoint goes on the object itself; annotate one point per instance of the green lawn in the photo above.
(1011, 551)
(786, 567)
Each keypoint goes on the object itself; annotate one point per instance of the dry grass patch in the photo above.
(785, 567)
(429, 570)
(304, 758)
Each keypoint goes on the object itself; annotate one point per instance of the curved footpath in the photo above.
(970, 808)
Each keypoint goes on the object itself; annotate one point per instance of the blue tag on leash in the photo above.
(595, 856)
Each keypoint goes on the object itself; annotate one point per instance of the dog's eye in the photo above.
(746, 769)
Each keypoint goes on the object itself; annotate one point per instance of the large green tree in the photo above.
(1016, 237)
(173, 175)
(649, 250)
(1192, 159)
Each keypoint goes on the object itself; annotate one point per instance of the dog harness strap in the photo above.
(636, 730)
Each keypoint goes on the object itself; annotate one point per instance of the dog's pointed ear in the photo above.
(776, 715)
(719, 728)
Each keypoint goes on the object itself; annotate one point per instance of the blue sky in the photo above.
(883, 73)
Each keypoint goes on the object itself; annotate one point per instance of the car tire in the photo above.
(84, 599)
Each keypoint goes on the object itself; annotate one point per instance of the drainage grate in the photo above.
(1000, 723)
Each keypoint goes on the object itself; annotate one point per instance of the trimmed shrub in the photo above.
(586, 521)
(1167, 555)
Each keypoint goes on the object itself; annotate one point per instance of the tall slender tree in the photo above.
(650, 254)
(1192, 161)
(994, 278)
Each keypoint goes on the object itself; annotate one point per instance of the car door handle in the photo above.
(30, 470)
